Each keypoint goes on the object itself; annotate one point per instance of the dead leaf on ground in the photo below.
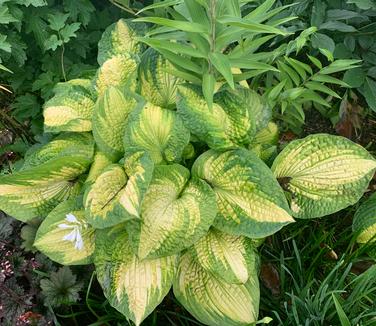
(270, 278)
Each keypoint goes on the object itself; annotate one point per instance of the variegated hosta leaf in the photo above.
(261, 112)
(228, 124)
(249, 198)
(69, 110)
(176, 212)
(100, 162)
(120, 38)
(110, 118)
(158, 131)
(268, 135)
(213, 301)
(364, 223)
(64, 145)
(156, 84)
(264, 145)
(226, 256)
(65, 237)
(132, 286)
(265, 152)
(102, 198)
(323, 174)
(139, 168)
(79, 84)
(119, 70)
(36, 191)
(117, 194)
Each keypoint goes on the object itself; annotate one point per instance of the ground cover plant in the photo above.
(163, 169)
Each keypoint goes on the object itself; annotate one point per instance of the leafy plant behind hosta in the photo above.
(162, 183)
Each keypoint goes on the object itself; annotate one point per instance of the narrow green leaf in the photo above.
(181, 61)
(158, 5)
(197, 12)
(341, 314)
(290, 72)
(185, 76)
(340, 65)
(310, 95)
(208, 84)
(173, 47)
(244, 63)
(249, 46)
(248, 75)
(315, 61)
(276, 90)
(233, 7)
(251, 26)
(321, 88)
(329, 79)
(296, 63)
(181, 25)
(260, 10)
(5, 68)
(222, 64)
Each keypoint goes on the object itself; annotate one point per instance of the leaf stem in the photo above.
(127, 9)
(62, 58)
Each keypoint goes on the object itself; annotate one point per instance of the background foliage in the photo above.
(43, 42)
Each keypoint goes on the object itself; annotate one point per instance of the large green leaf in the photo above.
(364, 223)
(249, 198)
(119, 70)
(119, 38)
(64, 145)
(65, 237)
(213, 301)
(117, 193)
(158, 131)
(132, 286)
(156, 84)
(227, 124)
(226, 256)
(110, 118)
(176, 212)
(36, 191)
(69, 110)
(323, 174)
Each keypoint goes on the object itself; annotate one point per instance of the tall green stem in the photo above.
(212, 17)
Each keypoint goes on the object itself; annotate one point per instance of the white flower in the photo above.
(75, 235)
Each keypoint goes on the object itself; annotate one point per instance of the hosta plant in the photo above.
(159, 189)
(364, 223)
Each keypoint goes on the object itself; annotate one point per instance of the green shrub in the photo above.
(345, 29)
(43, 42)
(252, 44)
